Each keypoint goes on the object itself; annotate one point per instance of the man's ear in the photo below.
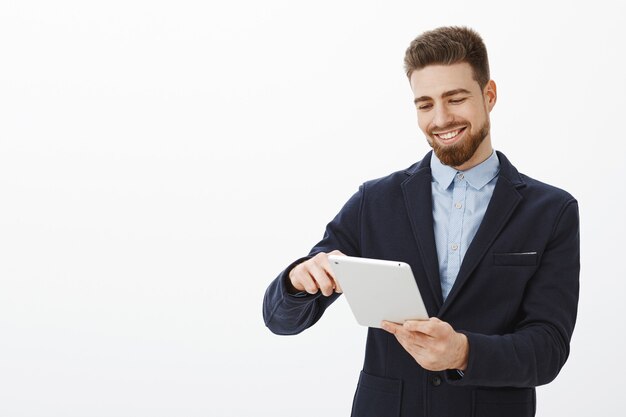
(491, 95)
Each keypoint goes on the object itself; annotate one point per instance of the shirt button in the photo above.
(436, 381)
(454, 246)
(458, 205)
(460, 175)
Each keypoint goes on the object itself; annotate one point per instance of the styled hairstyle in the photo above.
(446, 46)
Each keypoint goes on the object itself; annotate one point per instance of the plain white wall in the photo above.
(162, 161)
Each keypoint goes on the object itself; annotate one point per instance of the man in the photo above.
(495, 254)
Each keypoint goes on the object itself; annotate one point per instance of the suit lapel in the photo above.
(418, 199)
(503, 202)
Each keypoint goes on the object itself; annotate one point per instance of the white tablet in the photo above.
(378, 290)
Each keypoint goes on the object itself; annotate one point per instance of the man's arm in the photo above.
(534, 353)
(287, 313)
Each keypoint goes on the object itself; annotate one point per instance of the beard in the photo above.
(459, 153)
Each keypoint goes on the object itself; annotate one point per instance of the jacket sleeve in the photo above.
(534, 353)
(289, 314)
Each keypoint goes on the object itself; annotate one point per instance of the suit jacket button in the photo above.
(436, 381)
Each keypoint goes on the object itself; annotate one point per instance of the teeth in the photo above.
(449, 135)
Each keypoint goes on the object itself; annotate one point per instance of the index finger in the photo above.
(422, 326)
(325, 264)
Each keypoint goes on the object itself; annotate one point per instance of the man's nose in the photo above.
(442, 116)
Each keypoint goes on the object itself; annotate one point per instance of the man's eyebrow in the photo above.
(454, 92)
(444, 95)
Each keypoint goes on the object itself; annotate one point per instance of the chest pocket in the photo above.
(515, 259)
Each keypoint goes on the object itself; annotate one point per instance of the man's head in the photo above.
(449, 74)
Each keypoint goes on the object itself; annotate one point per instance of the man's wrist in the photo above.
(463, 352)
(290, 287)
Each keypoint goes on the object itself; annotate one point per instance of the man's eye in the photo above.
(457, 100)
(424, 107)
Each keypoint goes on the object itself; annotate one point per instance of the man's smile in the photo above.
(450, 136)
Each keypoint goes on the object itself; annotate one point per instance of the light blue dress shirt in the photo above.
(460, 199)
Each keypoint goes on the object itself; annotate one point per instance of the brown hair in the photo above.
(446, 46)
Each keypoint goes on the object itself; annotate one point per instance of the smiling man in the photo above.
(494, 252)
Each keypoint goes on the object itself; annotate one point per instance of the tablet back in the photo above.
(378, 290)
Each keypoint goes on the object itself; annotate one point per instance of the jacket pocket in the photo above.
(509, 402)
(377, 397)
(515, 259)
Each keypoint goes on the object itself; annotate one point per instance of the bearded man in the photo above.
(494, 252)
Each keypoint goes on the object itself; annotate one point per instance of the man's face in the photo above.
(453, 113)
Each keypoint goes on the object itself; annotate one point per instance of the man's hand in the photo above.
(432, 343)
(315, 275)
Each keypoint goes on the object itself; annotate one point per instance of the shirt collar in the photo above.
(477, 176)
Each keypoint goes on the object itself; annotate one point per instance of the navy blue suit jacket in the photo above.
(515, 296)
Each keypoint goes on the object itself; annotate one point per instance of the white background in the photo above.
(162, 161)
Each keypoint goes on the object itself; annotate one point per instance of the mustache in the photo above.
(448, 127)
